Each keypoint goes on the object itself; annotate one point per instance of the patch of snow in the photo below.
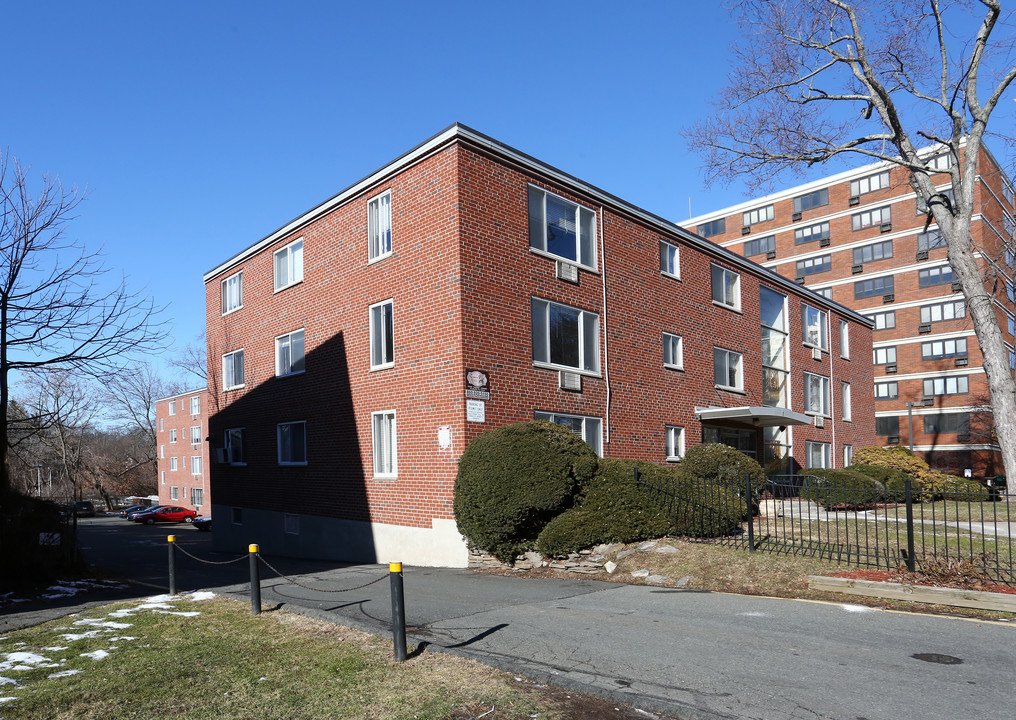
(22, 661)
(752, 614)
(181, 614)
(64, 673)
(857, 608)
(103, 624)
(97, 655)
(122, 637)
(8, 681)
(201, 595)
(71, 637)
(55, 648)
(7, 699)
(162, 598)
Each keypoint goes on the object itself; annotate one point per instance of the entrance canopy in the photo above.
(757, 416)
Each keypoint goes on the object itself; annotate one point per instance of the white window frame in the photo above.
(588, 339)
(824, 450)
(196, 465)
(293, 265)
(824, 399)
(585, 225)
(729, 293)
(885, 355)
(195, 435)
(673, 351)
(234, 438)
(670, 259)
(197, 497)
(738, 369)
(172, 464)
(845, 404)
(172, 436)
(385, 443)
(382, 325)
(172, 407)
(940, 386)
(379, 227)
(812, 233)
(880, 320)
(280, 445)
(174, 492)
(889, 390)
(844, 339)
(162, 424)
(195, 405)
(757, 215)
(958, 308)
(674, 443)
(232, 293)
(848, 455)
(822, 318)
(286, 341)
(229, 378)
(163, 477)
(592, 427)
(871, 183)
(871, 218)
(162, 452)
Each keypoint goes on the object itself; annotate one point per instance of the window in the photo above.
(726, 287)
(232, 293)
(760, 246)
(922, 206)
(163, 477)
(197, 497)
(956, 385)
(813, 327)
(1008, 190)
(773, 317)
(816, 394)
(813, 233)
(172, 435)
(384, 443)
(291, 524)
(561, 228)
(289, 265)
(944, 348)
(870, 218)
(844, 339)
(382, 335)
(162, 452)
(1012, 324)
(292, 439)
(587, 428)
(887, 425)
(811, 200)
(931, 240)
(162, 424)
(727, 371)
(885, 355)
(172, 407)
(883, 320)
(379, 227)
(232, 370)
(848, 455)
(172, 463)
(878, 181)
(940, 163)
(887, 390)
(845, 400)
(673, 351)
(237, 516)
(873, 252)
(873, 287)
(195, 465)
(174, 493)
(1009, 292)
(940, 312)
(716, 227)
(670, 260)
(675, 442)
(934, 276)
(565, 336)
(234, 446)
(195, 405)
(818, 454)
(289, 354)
(827, 292)
(195, 435)
(811, 266)
(958, 423)
(753, 217)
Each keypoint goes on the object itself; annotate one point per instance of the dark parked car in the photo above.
(166, 513)
(84, 508)
(127, 511)
(203, 523)
(144, 509)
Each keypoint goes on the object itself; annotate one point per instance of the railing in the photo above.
(862, 526)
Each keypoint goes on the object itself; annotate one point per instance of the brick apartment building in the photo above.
(355, 352)
(182, 422)
(860, 238)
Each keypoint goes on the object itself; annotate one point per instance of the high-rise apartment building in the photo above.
(863, 239)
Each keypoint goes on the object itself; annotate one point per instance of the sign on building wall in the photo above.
(476, 411)
(477, 385)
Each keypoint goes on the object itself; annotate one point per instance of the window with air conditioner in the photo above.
(587, 428)
(562, 228)
(564, 337)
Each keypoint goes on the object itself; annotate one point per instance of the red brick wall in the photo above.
(183, 478)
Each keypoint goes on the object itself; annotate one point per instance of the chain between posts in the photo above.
(308, 587)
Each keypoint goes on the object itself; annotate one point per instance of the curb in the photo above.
(954, 597)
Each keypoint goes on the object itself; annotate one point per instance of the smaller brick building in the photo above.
(182, 430)
(356, 351)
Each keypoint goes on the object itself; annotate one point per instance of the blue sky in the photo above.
(198, 128)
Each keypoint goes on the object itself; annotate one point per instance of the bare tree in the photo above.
(817, 80)
(56, 308)
(193, 359)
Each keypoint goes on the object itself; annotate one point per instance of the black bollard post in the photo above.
(172, 563)
(398, 611)
(909, 499)
(255, 580)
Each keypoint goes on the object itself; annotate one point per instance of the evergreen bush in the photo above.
(893, 480)
(722, 464)
(845, 489)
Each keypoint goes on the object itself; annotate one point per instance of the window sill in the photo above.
(674, 459)
(292, 464)
(234, 387)
(726, 388)
(376, 368)
(290, 374)
(672, 276)
(731, 308)
(379, 258)
(237, 464)
(565, 368)
(286, 287)
(378, 476)
(230, 312)
(676, 368)
(552, 256)
(812, 413)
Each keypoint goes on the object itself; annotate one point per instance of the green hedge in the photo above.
(723, 464)
(893, 480)
(512, 480)
(841, 489)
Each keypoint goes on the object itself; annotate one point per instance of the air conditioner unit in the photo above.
(819, 421)
(567, 272)
(924, 328)
(816, 353)
(963, 438)
(888, 298)
(854, 200)
(569, 381)
(922, 255)
(770, 255)
(824, 242)
(890, 369)
(957, 286)
(893, 440)
(796, 216)
(929, 401)
(856, 269)
(799, 279)
(885, 227)
(219, 456)
(746, 229)
(961, 362)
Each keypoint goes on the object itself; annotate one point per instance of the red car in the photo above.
(166, 513)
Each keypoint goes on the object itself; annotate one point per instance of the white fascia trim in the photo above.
(927, 448)
(180, 395)
(924, 338)
(935, 411)
(952, 372)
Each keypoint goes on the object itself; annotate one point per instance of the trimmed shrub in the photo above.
(616, 509)
(893, 480)
(933, 483)
(724, 465)
(512, 480)
(841, 489)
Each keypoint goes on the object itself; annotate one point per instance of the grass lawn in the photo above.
(201, 656)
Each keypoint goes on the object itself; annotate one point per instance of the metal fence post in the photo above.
(751, 519)
(398, 611)
(255, 580)
(171, 544)
(911, 560)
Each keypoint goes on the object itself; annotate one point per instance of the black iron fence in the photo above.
(868, 527)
